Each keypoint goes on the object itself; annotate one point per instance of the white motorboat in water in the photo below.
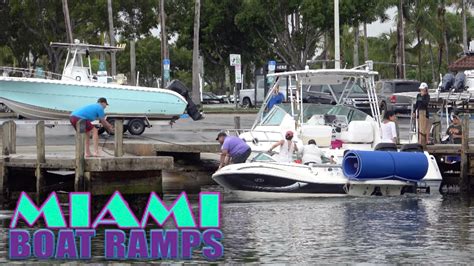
(328, 125)
(46, 96)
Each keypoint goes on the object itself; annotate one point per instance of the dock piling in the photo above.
(40, 159)
(118, 151)
(237, 123)
(80, 152)
(9, 138)
(464, 184)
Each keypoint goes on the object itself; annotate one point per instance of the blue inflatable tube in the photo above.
(367, 165)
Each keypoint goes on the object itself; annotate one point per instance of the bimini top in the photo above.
(89, 47)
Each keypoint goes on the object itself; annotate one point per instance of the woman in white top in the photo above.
(312, 153)
(287, 148)
(388, 128)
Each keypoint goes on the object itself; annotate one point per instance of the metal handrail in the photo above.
(31, 73)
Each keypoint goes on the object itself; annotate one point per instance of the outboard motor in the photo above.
(459, 82)
(191, 108)
(447, 82)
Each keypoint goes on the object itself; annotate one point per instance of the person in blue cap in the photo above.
(90, 113)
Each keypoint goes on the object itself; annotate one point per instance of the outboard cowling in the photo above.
(459, 82)
(447, 82)
(191, 108)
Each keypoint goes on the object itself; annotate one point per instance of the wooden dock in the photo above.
(42, 169)
(458, 175)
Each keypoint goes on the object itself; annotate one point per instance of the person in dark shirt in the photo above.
(454, 131)
(421, 108)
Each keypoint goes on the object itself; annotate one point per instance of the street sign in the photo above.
(166, 69)
(280, 67)
(238, 74)
(271, 70)
(102, 65)
(235, 59)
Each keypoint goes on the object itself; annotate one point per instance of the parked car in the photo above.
(208, 98)
(331, 94)
(221, 98)
(397, 103)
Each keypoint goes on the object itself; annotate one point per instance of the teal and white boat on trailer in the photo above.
(46, 96)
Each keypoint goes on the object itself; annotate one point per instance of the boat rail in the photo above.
(30, 73)
(237, 132)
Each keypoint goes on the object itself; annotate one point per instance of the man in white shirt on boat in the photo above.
(388, 128)
(311, 153)
(90, 113)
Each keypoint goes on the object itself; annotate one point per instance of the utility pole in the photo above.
(164, 42)
(67, 21)
(464, 8)
(366, 44)
(133, 58)
(112, 37)
(356, 45)
(196, 83)
(337, 43)
(401, 46)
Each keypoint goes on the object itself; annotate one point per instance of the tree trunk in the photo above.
(325, 50)
(433, 74)
(464, 26)
(227, 78)
(67, 21)
(164, 42)
(113, 62)
(196, 87)
(446, 45)
(133, 77)
(356, 45)
(420, 46)
(366, 43)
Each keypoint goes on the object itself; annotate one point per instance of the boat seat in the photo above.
(386, 147)
(358, 132)
(412, 147)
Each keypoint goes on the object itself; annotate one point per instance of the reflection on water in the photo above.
(411, 229)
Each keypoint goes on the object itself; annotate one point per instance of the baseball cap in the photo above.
(423, 85)
(102, 100)
(221, 134)
(289, 133)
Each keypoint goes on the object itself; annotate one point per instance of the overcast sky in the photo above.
(377, 28)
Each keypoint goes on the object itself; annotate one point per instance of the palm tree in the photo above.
(419, 20)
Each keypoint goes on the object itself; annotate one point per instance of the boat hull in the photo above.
(53, 99)
(281, 178)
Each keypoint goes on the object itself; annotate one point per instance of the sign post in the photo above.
(235, 61)
(166, 71)
(270, 80)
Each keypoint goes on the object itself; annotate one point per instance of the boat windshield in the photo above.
(278, 112)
